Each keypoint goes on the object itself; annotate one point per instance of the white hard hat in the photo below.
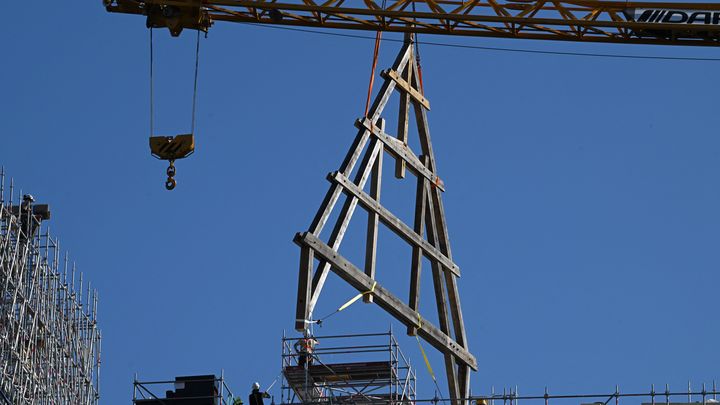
(256, 386)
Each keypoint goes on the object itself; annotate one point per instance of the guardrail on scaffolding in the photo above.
(186, 390)
(358, 369)
(653, 397)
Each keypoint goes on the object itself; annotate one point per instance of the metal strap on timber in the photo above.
(427, 236)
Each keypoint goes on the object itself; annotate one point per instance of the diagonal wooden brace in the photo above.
(394, 223)
(385, 299)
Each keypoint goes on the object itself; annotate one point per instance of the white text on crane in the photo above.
(665, 16)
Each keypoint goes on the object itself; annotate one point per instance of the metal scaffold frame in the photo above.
(49, 338)
(154, 391)
(358, 369)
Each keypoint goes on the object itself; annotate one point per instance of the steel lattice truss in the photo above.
(49, 340)
(579, 20)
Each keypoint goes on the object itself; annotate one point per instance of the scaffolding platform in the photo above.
(357, 372)
(365, 369)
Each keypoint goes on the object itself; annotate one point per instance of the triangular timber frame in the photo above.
(429, 219)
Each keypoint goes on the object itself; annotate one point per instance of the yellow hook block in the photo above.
(172, 147)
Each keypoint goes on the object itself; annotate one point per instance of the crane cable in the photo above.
(170, 183)
(494, 49)
(195, 84)
(152, 114)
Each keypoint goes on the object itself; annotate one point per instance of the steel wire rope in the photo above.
(195, 85)
(498, 49)
(152, 113)
(194, 98)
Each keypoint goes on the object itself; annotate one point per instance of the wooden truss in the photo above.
(427, 236)
(564, 20)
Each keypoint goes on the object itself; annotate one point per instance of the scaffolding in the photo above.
(705, 395)
(186, 390)
(49, 338)
(330, 372)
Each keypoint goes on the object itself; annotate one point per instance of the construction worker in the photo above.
(256, 397)
(304, 348)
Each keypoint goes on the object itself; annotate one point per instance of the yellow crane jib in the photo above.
(171, 148)
(176, 15)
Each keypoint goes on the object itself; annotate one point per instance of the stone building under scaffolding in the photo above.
(333, 374)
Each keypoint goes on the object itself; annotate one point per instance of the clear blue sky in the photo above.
(582, 196)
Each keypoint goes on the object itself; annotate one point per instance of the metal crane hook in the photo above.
(170, 183)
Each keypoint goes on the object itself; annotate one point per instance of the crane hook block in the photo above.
(172, 147)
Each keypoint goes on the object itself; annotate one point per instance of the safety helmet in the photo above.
(256, 386)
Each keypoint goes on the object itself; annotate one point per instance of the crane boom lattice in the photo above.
(579, 20)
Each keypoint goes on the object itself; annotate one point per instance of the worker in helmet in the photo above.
(256, 397)
(304, 348)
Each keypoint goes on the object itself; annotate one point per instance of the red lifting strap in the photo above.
(378, 36)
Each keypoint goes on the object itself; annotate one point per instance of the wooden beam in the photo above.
(417, 254)
(384, 299)
(343, 220)
(404, 112)
(441, 299)
(373, 218)
(346, 167)
(358, 145)
(405, 86)
(388, 86)
(400, 151)
(394, 223)
(302, 312)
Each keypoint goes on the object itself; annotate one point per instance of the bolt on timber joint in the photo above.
(171, 148)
